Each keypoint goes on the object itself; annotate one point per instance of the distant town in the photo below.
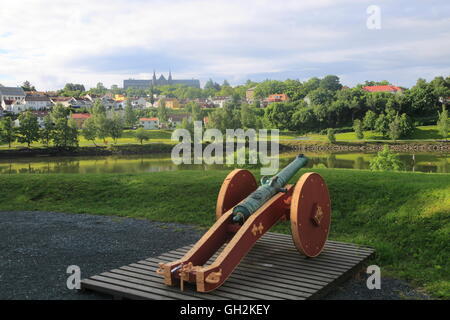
(316, 105)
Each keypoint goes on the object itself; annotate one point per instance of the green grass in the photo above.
(156, 136)
(405, 216)
(426, 133)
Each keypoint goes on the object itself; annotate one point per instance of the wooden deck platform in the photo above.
(272, 270)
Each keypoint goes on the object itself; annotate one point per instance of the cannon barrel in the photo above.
(269, 187)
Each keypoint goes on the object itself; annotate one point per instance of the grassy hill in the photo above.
(405, 216)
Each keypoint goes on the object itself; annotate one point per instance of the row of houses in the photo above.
(16, 100)
(154, 123)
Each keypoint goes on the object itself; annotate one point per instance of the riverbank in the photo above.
(129, 149)
(398, 146)
(405, 216)
(166, 148)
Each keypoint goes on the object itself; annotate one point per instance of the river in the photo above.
(419, 162)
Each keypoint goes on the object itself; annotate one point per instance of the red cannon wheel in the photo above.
(310, 214)
(236, 187)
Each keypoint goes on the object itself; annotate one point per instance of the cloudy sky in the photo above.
(52, 42)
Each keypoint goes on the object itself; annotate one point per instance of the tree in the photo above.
(162, 111)
(406, 126)
(279, 115)
(331, 83)
(130, 115)
(394, 129)
(26, 86)
(65, 133)
(382, 125)
(74, 87)
(443, 122)
(90, 130)
(385, 161)
(196, 112)
(116, 127)
(304, 120)
(321, 96)
(224, 118)
(248, 117)
(141, 135)
(423, 98)
(47, 130)
(98, 108)
(211, 85)
(29, 128)
(369, 120)
(357, 126)
(188, 125)
(268, 87)
(102, 123)
(330, 135)
(294, 90)
(7, 131)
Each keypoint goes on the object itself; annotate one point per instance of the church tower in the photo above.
(170, 77)
(154, 78)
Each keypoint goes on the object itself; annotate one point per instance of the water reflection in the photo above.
(421, 162)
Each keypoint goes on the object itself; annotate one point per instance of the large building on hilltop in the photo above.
(161, 81)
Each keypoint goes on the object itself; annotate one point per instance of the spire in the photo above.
(170, 77)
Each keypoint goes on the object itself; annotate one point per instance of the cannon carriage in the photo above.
(244, 213)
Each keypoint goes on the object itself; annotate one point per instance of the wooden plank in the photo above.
(249, 270)
(245, 282)
(90, 284)
(282, 263)
(145, 272)
(273, 269)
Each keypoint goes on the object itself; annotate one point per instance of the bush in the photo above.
(142, 135)
(330, 135)
(385, 161)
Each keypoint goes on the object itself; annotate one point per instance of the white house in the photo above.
(109, 103)
(149, 123)
(40, 118)
(220, 102)
(12, 93)
(176, 119)
(65, 101)
(81, 103)
(138, 103)
(37, 102)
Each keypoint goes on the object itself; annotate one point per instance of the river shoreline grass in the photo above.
(404, 216)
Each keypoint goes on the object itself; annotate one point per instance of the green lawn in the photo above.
(424, 133)
(156, 136)
(427, 133)
(405, 216)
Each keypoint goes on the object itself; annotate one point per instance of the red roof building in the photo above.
(80, 118)
(279, 97)
(386, 88)
(148, 119)
(149, 123)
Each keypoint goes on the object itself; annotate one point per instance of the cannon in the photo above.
(244, 212)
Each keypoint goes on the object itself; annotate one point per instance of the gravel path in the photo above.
(37, 247)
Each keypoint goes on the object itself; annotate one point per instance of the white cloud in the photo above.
(51, 42)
